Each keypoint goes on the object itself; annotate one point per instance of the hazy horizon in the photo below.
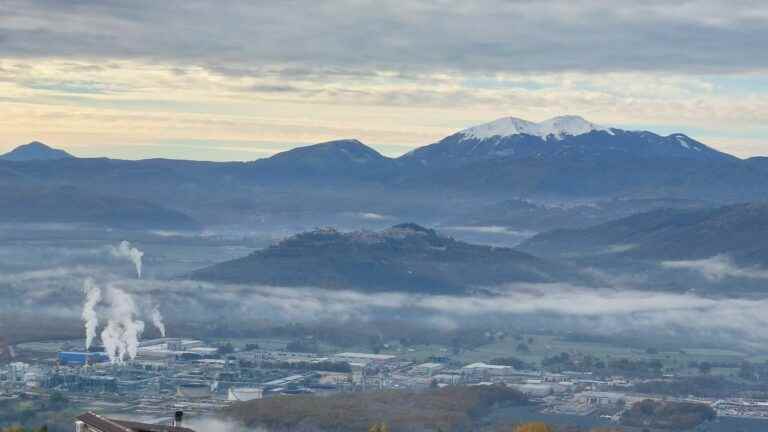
(434, 215)
(252, 150)
(157, 80)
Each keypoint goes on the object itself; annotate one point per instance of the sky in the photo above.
(243, 79)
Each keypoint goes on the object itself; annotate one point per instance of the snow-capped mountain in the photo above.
(556, 127)
(559, 138)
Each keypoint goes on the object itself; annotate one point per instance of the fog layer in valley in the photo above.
(47, 292)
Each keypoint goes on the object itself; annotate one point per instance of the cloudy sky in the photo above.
(237, 79)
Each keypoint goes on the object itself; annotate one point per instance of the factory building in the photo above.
(16, 371)
(447, 378)
(176, 344)
(363, 359)
(173, 348)
(483, 371)
(282, 382)
(427, 369)
(82, 383)
(245, 394)
(601, 399)
(538, 388)
(193, 390)
(71, 358)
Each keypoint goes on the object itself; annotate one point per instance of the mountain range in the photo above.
(526, 215)
(571, 158)
(562, 159)
(35, 151)
(559, 138)
(67, 204)
(739, 231)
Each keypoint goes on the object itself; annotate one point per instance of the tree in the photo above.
(44, 428)
(58, 398)
(747, 371)
(376, 343)
(455, 346)
(621, 404)
(378, 427)
(534, 427)
(227, 348)
(511, 361)
(304, 346)
(705, 368)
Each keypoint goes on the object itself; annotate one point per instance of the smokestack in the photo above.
(92, 298)
(125, 250)
(157, 321)
(178, 416)
(121, 336)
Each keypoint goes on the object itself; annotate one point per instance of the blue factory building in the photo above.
(69, 358)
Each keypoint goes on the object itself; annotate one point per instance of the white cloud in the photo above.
(100, 108)
(399, 73)
(548, 35)
(718, 267)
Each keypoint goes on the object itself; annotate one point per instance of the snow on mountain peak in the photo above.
(557, 127)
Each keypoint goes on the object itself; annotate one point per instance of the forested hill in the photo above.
(739, 231)
(405, 257)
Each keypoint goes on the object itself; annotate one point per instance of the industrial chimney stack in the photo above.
(178, 416)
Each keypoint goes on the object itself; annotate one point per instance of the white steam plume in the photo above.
(89, 315)
(125, 250)
(121, 336)
(157, 321)
(120, 311)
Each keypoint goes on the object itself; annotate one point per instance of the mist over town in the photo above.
(405, 216)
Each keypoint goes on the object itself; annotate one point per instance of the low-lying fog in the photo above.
(49, 280)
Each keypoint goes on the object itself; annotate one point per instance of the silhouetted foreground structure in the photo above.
(90, 422)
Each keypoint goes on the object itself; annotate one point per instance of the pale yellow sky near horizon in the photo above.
(136, 110)
(241, 79)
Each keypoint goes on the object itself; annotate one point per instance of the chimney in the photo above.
(178, 416)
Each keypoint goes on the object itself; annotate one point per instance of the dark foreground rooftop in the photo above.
(97, 423)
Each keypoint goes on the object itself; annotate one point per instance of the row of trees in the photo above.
(21, 429)
(526, 427)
